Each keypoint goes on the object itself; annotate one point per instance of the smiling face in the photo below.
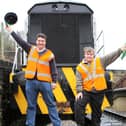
(89, 54)
(41, 43)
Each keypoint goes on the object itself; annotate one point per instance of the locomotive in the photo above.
(69, 28)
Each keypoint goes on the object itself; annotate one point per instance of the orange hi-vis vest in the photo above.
(39, 65)
(92, 75)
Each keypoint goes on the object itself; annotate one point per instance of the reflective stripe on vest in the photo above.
(92, 78)
(43, 75)
(39, 64)
(43, 62)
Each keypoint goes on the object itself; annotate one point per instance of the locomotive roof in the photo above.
(47, 7)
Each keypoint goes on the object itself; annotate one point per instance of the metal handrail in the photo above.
(15, 60)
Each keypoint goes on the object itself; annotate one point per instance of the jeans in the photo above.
(33, 87)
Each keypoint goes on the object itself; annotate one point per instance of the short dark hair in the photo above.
(42, 35)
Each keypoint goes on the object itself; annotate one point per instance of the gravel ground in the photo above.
(66, 123)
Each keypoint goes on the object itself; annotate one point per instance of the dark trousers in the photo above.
(95, 100)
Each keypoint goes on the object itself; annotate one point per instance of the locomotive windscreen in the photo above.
(62, 37)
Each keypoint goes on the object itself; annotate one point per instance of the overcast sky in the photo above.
(109, 15)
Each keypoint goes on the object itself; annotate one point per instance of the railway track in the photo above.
(113, 118)
(109, 118)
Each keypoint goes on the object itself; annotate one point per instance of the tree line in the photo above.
(7, 45)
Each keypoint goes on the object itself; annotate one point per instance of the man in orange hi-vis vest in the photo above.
(91, 84)
(41, 76)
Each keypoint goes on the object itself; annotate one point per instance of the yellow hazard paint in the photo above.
(70, 76)
(105, 103)
(111, 75)
(21, 100)
(59, 96)
(58, 93)
(10, 77)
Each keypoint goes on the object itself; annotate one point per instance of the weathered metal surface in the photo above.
(118, 78)
(119, 99)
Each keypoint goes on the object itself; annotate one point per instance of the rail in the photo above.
(119, 92)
